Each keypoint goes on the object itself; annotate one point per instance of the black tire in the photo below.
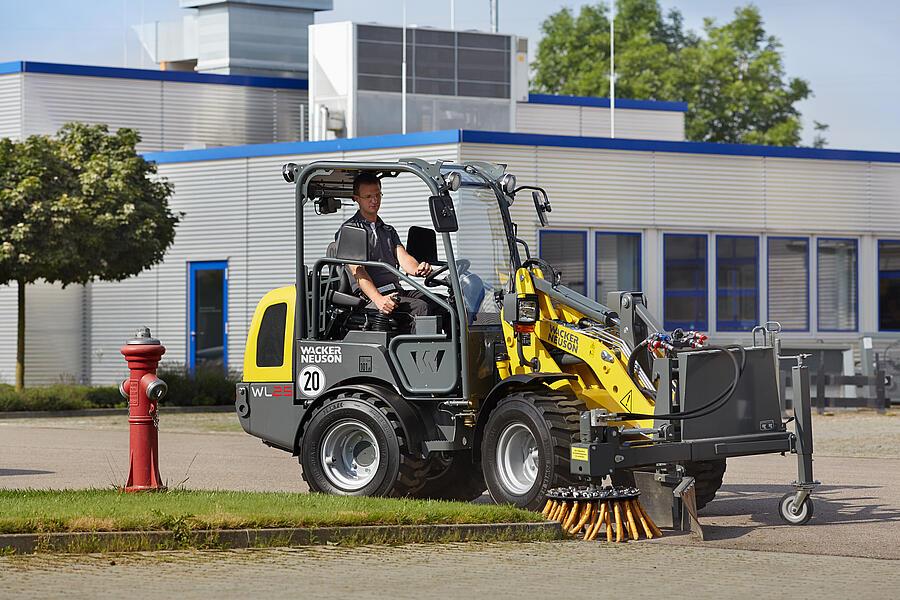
(552, 417)
(398, 472)
(708, 475)
(453, 476)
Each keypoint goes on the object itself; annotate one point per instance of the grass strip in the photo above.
(183, 511)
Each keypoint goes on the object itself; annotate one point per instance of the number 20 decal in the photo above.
(311, 381)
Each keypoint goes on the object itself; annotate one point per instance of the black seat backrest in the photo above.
(343, 285)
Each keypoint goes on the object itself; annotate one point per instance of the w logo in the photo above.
(428, 361)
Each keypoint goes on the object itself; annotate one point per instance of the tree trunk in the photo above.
(20, 340)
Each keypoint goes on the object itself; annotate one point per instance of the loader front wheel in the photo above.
(525, 446)
(353, 446)
(708, 476)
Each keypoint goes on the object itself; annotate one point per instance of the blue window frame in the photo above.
(737, 282)
(685, 281)
(566, 250)
(788, 277)
(617, 256)
(208, 314)
(838, 285)
(889, 285)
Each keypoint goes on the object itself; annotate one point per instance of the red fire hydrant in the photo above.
(143, 390)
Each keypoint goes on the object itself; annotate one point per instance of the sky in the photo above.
(848, 51)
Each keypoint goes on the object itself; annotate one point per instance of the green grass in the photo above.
(38, 511)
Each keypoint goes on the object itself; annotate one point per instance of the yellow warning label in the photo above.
(579, 453)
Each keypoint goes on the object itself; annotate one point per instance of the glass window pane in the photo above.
(618, 257)
(837, 274)
(737, 282)
(889, 285)
(209, 317)
(270, 340)
(375, 58)
(685, 277)
(789, 283)
(434, 62)
(483, 65)
(566, 251)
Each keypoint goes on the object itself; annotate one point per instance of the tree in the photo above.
(78, 207)
(732, 77)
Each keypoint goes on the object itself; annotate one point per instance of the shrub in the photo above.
(206, 387)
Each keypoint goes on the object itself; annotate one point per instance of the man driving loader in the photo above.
(380, 286)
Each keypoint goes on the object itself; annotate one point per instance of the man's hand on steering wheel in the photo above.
(423, 269)
(462, 265)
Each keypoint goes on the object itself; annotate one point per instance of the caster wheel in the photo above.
(793, 515)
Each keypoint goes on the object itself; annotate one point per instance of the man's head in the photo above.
(367, 193)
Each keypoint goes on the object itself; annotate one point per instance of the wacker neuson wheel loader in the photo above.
(521, 386)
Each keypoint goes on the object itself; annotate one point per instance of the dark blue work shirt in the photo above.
(383, 242)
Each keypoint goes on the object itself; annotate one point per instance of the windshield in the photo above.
(481, 241)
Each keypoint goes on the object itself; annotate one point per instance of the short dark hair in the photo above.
(365, 177)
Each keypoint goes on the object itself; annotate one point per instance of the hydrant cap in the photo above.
(142, 337)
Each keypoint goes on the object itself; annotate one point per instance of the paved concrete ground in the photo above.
(539, 570)
(839, 553)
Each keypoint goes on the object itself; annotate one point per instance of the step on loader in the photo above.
(522, 387)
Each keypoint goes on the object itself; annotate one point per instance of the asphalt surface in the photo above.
(857, 507)
(850, 548)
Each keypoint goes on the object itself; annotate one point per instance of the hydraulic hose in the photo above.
(707, 408)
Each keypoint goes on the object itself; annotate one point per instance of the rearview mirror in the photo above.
(421, 243)
(541, 206)
(353, 244)
(443, 215)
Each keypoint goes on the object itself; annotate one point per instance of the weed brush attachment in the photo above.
(585, 511)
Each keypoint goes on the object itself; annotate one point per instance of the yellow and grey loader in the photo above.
(523, 388)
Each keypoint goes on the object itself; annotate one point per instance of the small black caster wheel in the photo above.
(792, 514)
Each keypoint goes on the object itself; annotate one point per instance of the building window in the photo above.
(685, 287)
(618, 258)
(566, 251)
(837, 277)
(789, 282)
(737, 282)
(889, 285)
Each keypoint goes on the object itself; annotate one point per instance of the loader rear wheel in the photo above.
(453, 476)
(354, 446)
(708, 476)
(525, 446)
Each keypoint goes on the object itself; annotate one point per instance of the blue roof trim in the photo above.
(567, 141)
(10, 67)
(453, 136)
(450, 136)
(152, 75)
(604, 102)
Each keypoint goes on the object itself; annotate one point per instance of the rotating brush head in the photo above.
(587, 509)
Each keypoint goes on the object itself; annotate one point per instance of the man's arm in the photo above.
(410, 264)
(384, 303)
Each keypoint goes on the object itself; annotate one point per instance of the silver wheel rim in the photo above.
(793, 513)
(350, 455)
(517, 459)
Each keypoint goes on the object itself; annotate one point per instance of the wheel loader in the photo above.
(520, 387)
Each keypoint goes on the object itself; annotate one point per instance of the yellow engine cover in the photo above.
(274, 319)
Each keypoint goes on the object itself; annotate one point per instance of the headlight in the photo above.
(527, 309)
(508, 184)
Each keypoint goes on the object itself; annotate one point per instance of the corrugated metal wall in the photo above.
(11, 105)
(555, 119)
(657, 192)
(170, 115)
(53, 334)
(240, 211)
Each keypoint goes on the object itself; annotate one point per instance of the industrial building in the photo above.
(720, 237)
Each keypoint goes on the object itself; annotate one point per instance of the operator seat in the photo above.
(342, 294)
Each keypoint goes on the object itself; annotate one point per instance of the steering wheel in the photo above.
(462, 265)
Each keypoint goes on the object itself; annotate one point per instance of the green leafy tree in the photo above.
(80, 206)
(732, 77)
